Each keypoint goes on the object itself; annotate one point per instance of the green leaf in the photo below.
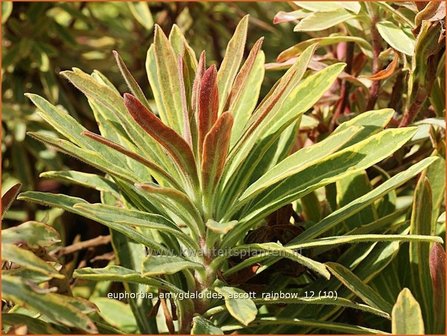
(29, 260)
(53, 306)
(407, 315)
(6, 10)
(155, 169)
(350, 188)
(419, 254)
(160, 265)
(330, 326)
(347, 161)
(220, 227)
(302, 97)
(299, 299)
(178, 203)
(90, 157)
(297, 49)
(361, 289)
(371, 121)
(162, 68)
(245, 91)
(202, 326)
(131, 82)
(84, 179)
(231, 62)
(316, 6)
(33, 234)
(436, 174)
(360, 203)
(396, 37)
(298, 161)
(323, 20)
(75, 205)
(116, 313)
(115, 109)
(330, 241)
(66, 125)
(142, 13)
(284, 252)
(239, 304)
(33, 325)
(122, 274)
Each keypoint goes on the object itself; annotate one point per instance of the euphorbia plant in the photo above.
(188, 176)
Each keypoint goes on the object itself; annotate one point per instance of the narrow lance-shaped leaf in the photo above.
(66, 125)
(361, 289)
(178, 203)
(185, 106)
(231, 62)
(162, 265)
(419, 253)
(300, 160)
(323, 20)
(29, 260)
(323, 41)
(215, 152)
(115, 110)
(52, 305)
(183, 50)
(208, 103)
(168, 87)
(355, 158)
(285, 252)
(176, 146)
(258, 124)
(245, 91)
(34, 325)
(406, 317)
(33, 234)
(131, 82)
(85, 179)
(122, 274)
(90, 157)
(157, 170)
(437, 273)
(135, 218)
(75, 205)
(330, 241)
(360, 203)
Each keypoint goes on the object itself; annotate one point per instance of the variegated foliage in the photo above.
(204, 163)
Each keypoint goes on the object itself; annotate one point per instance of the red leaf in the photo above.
(10, 196)
(437, 273)
(215, 151)
(388, 71)
(196, 85)
(208, 103)
(176, 146)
